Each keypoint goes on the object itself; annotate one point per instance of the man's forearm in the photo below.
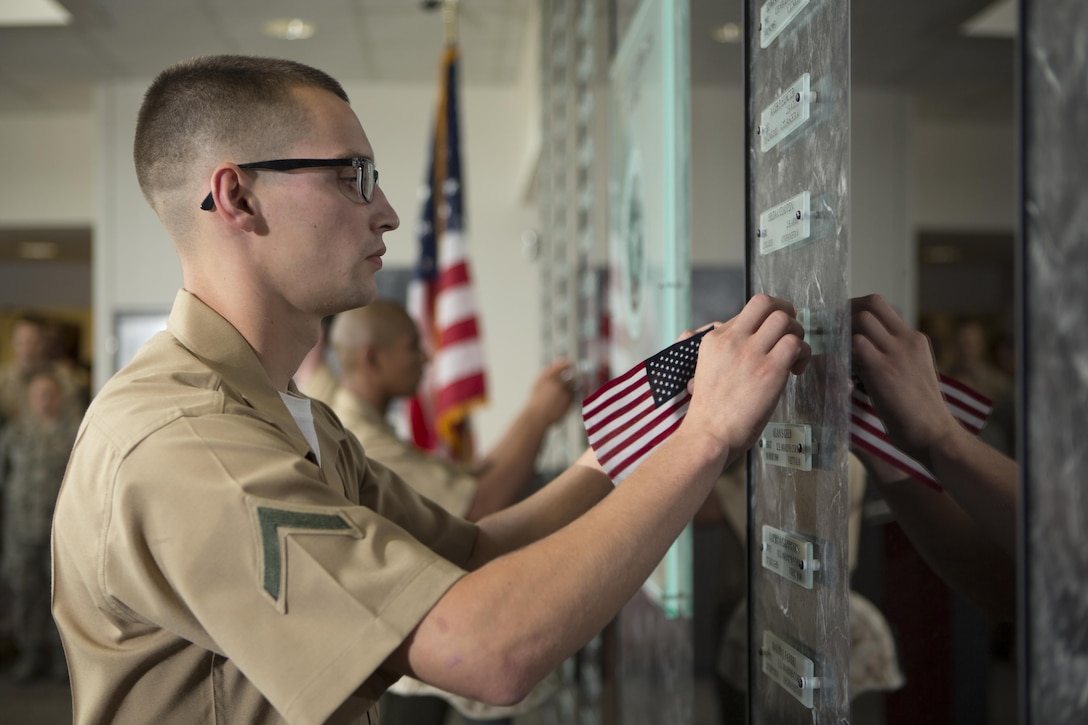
(505, 472)
(570, 495)
(983, 482)
(954, 546)
(543, 601)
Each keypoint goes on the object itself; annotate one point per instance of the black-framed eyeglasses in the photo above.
(366, 176)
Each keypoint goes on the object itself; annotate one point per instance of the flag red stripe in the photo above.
(459, 391)
(884, 454)
(459, 331)
(453, 276)
(983, 403)
(594, 431)
(621, 431)
(633, 436)
(589, 403)
(620, 469)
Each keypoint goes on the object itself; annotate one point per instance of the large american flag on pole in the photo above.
(630, 416)
(867, 431)
(440, 295)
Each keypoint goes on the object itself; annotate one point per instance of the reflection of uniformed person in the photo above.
(873, 662)
(222, 549)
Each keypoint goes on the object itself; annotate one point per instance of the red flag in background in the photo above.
(440, 295)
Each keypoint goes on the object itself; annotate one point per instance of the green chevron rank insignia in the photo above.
(274, 525)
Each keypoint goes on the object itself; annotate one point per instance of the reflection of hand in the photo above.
(743, 367)
(895, 363)
(553, 391)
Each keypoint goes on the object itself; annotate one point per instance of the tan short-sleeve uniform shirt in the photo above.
(449, 485)
(208, 570)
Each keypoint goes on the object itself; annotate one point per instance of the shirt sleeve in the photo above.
(229, 539)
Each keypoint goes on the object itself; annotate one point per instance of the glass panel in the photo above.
(649, 301)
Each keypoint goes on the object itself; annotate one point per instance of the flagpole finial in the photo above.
(449, 21)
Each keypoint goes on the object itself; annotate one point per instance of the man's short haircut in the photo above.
(237, 104)
(378, 324)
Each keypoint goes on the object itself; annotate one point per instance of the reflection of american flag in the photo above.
(631, 415)
(440, 296)
(867, 431)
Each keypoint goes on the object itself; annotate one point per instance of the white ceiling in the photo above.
(911, 45)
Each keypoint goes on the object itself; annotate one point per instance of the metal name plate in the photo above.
(784, 224)
(788, 113)
(817, 324)
(774, 16)
(789, 668)
(787, 445)
(789, 556)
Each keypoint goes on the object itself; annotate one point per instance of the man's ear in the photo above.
(234, 201)
(372, 355)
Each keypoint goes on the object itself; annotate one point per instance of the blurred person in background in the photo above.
(34, 452)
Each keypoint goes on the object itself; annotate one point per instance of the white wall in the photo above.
(882, 257)
(47, 169)
(965, 176)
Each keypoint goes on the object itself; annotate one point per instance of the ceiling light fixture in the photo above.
(33, 12)
(289, 28)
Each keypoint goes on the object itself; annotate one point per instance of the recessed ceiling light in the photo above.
(726, 33)
(38, 250)
(289, 28)
(33, 12)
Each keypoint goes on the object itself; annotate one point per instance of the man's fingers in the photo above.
(758, 309)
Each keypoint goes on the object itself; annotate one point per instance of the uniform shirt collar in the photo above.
(222, 348)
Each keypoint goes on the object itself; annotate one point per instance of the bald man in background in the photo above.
(380, 357)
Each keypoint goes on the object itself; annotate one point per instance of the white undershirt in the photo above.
(304, 417)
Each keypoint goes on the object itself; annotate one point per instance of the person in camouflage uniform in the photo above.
(34, 452)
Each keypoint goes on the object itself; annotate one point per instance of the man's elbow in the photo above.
(507, 682)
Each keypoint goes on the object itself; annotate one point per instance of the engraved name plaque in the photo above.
(787, 445)
(774, 16)
(784, 224)
(788, 113)
(790, 556)
(789, 668)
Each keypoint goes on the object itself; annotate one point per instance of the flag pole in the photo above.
(449, 22)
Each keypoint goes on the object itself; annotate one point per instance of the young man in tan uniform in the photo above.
(224, 552)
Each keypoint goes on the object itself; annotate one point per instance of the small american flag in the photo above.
(867, 431)
(629, 416)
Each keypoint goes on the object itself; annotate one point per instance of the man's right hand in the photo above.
(743, 366)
